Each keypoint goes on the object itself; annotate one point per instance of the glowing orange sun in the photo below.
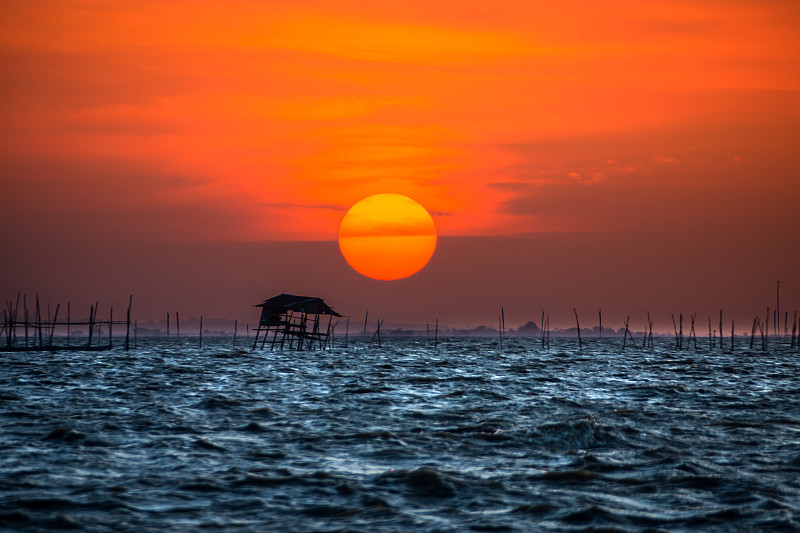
(387, 236)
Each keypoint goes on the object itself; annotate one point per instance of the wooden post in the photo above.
(55, 319)
(600, 319)
(710, 344)
(110, 322)
(681, 331)
(733, 334)
(201, 331)
(376, 334)
(778, 306)
(675, 329)
(542, 330)
(500, 327)
(178, 324)
(68, 321)
(366, 316)
(436, 335)
(38, 320)
(48, 319)
(578, 323)
(628, 334)
(235, 329)
(765, 333)
(548, 332)
(720, 331)
(753, 332)
(128, 324)
(167, 323)
(25, 303)
(91, 325)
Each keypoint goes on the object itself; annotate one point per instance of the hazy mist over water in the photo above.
(468, 437)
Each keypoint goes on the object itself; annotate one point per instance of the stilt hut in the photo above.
(294, 322)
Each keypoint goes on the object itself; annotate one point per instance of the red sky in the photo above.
(650, 149)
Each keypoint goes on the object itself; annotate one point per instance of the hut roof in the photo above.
(303, 304)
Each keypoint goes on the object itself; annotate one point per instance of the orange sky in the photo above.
(265, 121)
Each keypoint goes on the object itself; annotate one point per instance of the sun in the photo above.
(387, 236)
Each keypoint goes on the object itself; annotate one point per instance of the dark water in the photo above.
(467, 438)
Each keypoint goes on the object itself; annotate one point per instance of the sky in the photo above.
(622, 155)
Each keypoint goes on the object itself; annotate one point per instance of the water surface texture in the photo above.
(469, 437)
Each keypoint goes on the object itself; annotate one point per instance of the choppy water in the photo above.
(401, 438)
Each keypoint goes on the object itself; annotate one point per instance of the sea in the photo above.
(466, 435)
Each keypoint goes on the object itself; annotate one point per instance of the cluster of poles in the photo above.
(30, 329)
(35, 329)
(681, 341)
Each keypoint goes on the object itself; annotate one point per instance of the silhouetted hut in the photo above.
(294, 321)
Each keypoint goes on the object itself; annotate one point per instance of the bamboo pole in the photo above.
(720, 331)
(167, 323)
(625, 335)
(548, 332)
(765, 333)
(55, 319)
(675, 329)
(201, 331)
(628, 331)
(235, 329)
(436, 335)
(503, 322)
(600, 320)
(328, 334)
(366, 316)
(542, 330)
(711, 344)
(578, 324)
(733, 334)
(128, 324)
(38, 320)
(778, 306)
(91, 325)
(14, 319)
(68, 321)
(753, 332)
(178, 324)
(500, 326)
(110, 325)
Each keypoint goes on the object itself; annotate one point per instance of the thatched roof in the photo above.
(302, 304)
